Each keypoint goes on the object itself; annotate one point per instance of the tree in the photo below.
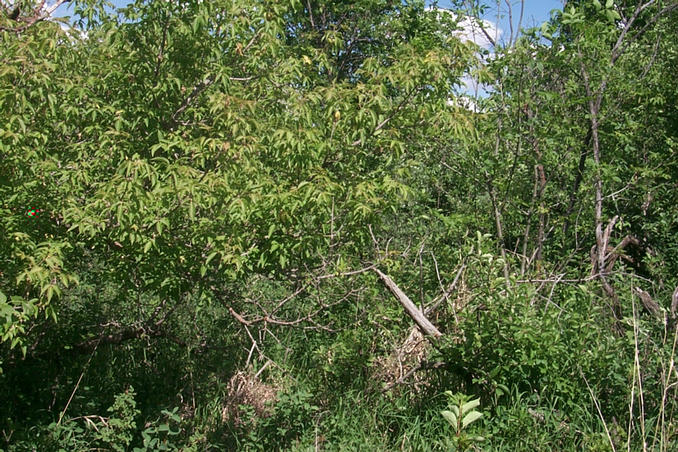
(185, 147)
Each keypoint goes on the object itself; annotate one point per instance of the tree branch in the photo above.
(197, 90)
(415, 314)
(38, 15)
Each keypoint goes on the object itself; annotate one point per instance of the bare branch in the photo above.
(197, 90)
(351, 273)
(620, 45)
(446, 292)
(38, 14)
(310, 13)
(49, 11)
(415, 314)
(648, 303)
(510, 21)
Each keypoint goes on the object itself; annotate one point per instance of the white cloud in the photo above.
(465, 102)
(483, 33)
(478, 30)
(473, 29)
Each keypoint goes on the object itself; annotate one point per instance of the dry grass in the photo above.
(392, 370)
(245, 388)
(400, 366)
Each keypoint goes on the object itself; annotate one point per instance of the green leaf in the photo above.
(450, 417)
(501, 390)
(612, 15)
(470, 405)
(470, 418)
(210, 257)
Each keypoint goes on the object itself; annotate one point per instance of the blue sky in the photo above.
(536, 11)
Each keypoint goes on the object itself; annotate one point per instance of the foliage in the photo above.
(460, 415)
(194, 191)
(114, 432)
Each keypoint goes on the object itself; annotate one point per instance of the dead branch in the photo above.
(446, 292)
(612, 254)
(648, 303)
(415, 314)
(268, 317)
(391, 115)
(197, 90)
(350, 273)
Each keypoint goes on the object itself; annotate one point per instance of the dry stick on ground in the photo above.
(415, 314)
(424, 365)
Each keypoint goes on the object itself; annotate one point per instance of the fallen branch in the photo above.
(415, 314)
